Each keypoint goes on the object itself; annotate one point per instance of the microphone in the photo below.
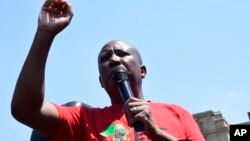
(120, 76)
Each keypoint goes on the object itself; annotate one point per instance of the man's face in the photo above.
(119, 54)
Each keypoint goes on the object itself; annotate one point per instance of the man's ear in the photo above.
(143, 71)
(100, 80)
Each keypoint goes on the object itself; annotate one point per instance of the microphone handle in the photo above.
(126, 92)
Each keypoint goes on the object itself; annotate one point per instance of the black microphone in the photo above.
(120, 76)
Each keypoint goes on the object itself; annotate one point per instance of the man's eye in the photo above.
(104, 58)
(122, 54)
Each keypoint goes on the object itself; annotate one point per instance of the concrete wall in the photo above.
(213, 126)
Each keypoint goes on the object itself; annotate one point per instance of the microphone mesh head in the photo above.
(120, 74)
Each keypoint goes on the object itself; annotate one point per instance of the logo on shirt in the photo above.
(115, 132)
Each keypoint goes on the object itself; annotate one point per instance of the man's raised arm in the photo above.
(28, 105)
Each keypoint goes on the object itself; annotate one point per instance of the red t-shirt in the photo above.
(81, 123)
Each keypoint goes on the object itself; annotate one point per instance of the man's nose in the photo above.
(115, 60)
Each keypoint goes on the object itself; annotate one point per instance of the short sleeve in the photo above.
(192, 131)
(70, 121)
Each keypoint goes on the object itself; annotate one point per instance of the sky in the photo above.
(196, 54)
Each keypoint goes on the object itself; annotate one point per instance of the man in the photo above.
(162, 122)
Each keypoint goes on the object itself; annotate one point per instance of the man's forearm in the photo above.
(29, 92)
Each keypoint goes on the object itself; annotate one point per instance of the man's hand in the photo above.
(55, 15)
(139, 110)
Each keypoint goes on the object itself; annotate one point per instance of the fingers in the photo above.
(55, 15)
(137, 110)
(141, 113)
(57, 7)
